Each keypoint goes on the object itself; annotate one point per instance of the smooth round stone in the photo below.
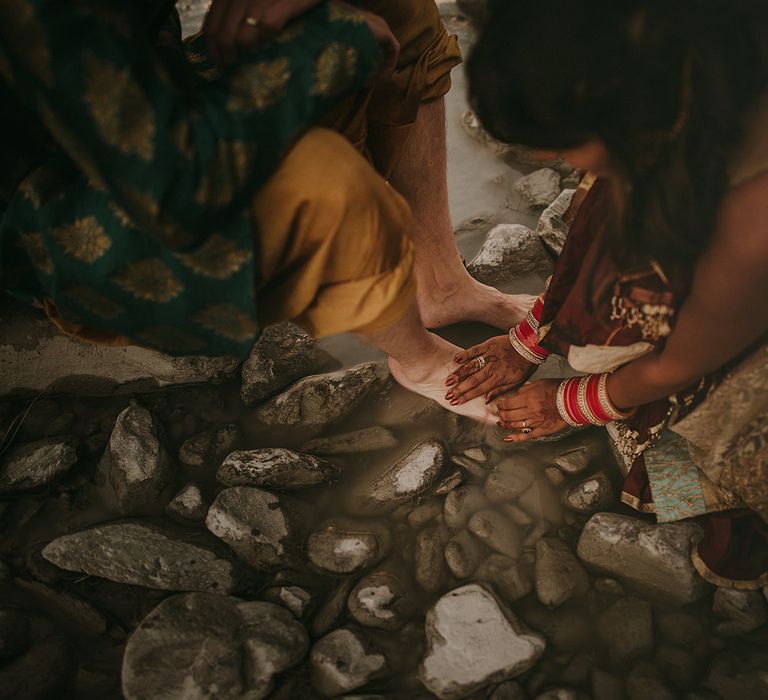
(380, 599)
(591, 495)
(626, 628)
(463, 554)
(275, 467)
(513, 476)
(342, 661)
(430, 567)
(497, 532)
(343, 546)
(461, 503)
(559, 574)
(511, 579)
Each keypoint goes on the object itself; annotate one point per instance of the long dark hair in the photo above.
(665, 84)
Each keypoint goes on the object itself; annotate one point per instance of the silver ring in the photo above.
(481, 362)
(527, 431)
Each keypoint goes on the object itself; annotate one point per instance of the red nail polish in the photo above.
(450, 382)
(449, 396)
(455, 402)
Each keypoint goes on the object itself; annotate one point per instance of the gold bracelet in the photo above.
(523, 350)
(605, 402)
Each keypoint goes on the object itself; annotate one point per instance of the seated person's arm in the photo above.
(726, 311)
(180, 162)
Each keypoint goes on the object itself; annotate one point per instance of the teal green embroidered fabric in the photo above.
(138, 223)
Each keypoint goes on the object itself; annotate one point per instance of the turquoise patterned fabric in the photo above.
(138, 224)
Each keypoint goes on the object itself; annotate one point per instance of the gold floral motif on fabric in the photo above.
(119, 109)
(171, 339)
(653, 320)
(228, 321)
(225, 176)
(27, 37)
(41, 186)
(141, 205)
(84, 239)
(342, 13)
(72, 146)
(94, 301)
(218, 258)
(121, 216)
(34, 246)
(334, 69)
(150, 280)
(259, 85)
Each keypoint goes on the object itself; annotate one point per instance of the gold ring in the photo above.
(480, 361)
(251, 21)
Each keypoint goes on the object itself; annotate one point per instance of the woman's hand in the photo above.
(501, 369)
(531, 412)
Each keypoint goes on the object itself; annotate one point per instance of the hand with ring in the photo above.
(231, 25)
(531, 412)
(490, 368)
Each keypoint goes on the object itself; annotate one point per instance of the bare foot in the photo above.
(425, 375)
(470, 300)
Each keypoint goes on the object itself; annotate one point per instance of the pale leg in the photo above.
(420, 361)
(447, 293)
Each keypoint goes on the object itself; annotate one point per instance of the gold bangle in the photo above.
(523, 350)
(605, 401)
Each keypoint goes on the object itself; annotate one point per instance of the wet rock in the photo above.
(680, 628)
(738, 675)
(365, 440)
(414, 473)
(449, 483)
(509, 690)
(552, 228)
(342, 546)
(655, 559)
(591, 495)
(422, 514)
(282, 354)
(744, 611)
(322, 399)
(475, 461)
(511, 579)
(562, 694)
(463, 554)
(539, 188)
(607, 686)
(516, 514)
(42, 669)
(144, 555)
(511, 478)
(296, 599)
(609, 586)
(539, 530)
(202, 453)
(541, 501)
(275, 467)
(474, 641)
(204, 645)
(554, 476)
(626, 628)
(382, 600)
(677, 665)
(36, 464)
(496, 531)
(260, 527)
(342, 661)
(578, 458)
(330, 611)
(509, 251)
(14, 632)
(568, 630)
(39, 568)
(430, 567)
(559, 574)
(189, 505)
(461, 504)
(69, 610)
(135, 467)
(645, 681)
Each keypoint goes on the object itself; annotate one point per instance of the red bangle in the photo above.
(585, 401)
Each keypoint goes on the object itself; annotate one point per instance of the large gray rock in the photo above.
(322, 399)
(559, 574)
(35, 358)
(143, 555)
(539, 188)
(275, 467)
(343, 661)
(509, 251)
(552, 228)
(202, 453)
(342, 546)
(282, 354)
(430, 567)
(474, 641)
(260, 527)
(654, 559)
(201, 645)
(410, 476)
(36, 464)
(365, 440)
(135, 467)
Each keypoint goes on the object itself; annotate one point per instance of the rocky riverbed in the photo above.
(306, 529)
